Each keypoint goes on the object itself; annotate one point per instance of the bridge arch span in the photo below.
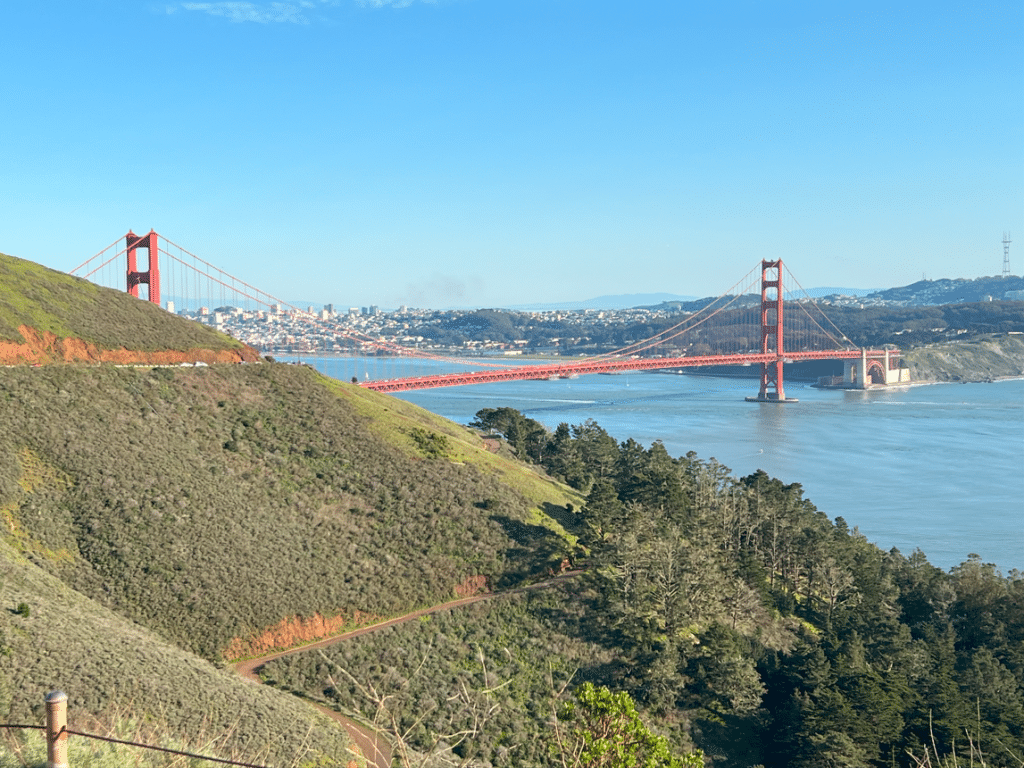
(876, 372)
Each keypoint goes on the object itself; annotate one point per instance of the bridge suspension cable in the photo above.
(695, 319)
(814, 304)
(729, 325)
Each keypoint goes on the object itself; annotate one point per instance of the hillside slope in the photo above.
(113, 669)
(153, 513)
(48, 316)
(237, 508)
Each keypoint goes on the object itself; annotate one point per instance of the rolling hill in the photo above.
(160, 521)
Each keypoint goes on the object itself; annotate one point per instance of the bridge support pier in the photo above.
(874, 370)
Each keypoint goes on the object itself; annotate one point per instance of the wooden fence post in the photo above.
(56, 729)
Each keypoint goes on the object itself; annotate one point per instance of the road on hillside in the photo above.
(370, 742)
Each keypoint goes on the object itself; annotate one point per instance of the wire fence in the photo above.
(57, 733)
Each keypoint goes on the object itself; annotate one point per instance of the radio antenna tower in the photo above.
(1006, 254)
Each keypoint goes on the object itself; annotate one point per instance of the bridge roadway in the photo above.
(591, 366)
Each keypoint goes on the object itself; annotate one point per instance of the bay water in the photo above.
(937, 467)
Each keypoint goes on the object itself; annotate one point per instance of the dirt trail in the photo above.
(371, 743)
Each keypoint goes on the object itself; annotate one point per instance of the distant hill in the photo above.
(922, 293)
(935, 292)
(817, 293)
(658, 300)
(616, 301)
(48, 316)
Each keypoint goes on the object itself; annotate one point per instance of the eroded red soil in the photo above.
(295, 631)
(46, 348)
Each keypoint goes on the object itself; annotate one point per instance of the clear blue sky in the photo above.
(498, 152)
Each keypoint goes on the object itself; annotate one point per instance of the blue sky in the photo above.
(499, 152)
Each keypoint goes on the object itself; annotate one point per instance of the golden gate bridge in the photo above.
(755, 322)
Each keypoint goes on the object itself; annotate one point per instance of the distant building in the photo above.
(329, 309)
(170, 307)
(1014, 296)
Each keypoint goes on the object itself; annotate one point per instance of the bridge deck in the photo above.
(592, 366)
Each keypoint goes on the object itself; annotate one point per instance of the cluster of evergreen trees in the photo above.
(785, 639)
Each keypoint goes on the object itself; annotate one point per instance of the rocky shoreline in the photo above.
(988, 358)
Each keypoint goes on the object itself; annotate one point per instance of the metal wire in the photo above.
(12, 726)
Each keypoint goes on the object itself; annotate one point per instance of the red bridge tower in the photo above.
(151, 276)
(772, 331)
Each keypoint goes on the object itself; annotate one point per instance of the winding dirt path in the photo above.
(371, 743)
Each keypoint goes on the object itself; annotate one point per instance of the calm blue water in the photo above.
(938, 467)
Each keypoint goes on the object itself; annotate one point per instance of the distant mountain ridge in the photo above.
(649, 300)
(614, 301)
(921, 293)
(945, 291)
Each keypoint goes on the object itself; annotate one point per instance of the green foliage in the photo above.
(526, 436)
(512, 648)
(432, 444)
(607, 732)
(209, 504)
(736, 603)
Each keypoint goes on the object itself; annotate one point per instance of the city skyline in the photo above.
(491, 153)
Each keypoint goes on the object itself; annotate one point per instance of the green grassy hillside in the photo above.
(211, 504)
(155, 521)
(115, 671)
(72, 308)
